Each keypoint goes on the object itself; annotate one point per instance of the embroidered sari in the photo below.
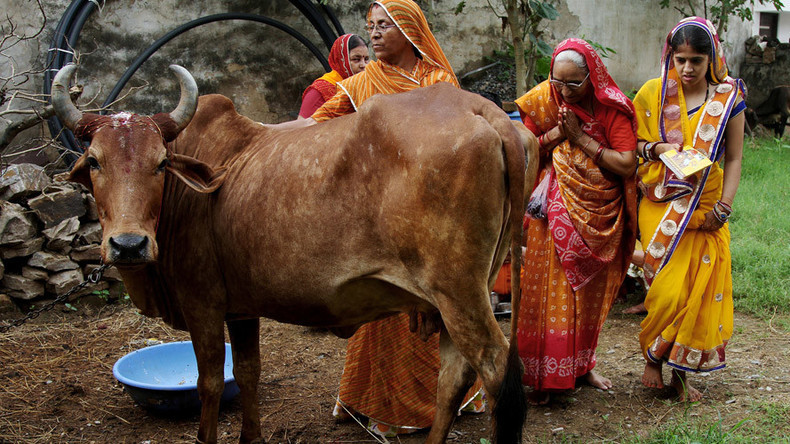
(390, 374)
(326, 85)
(689, 301)
(577, 258)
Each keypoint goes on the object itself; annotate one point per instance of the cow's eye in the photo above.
(93, 163)
(162, 165)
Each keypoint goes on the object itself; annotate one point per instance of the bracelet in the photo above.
(541, 140)
(722, 211)
(598, 154)
(587, 144)
(648, 151)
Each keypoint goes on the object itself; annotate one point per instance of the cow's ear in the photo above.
(196, 174)
(80, 173)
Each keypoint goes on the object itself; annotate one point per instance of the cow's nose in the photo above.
(128, 247)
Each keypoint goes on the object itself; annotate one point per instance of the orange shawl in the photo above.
(380, 77)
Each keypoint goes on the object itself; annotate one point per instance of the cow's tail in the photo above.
(520, 155)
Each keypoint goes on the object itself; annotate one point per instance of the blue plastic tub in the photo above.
(163, 378)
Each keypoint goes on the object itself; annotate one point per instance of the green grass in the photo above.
(765, 423)
(760, 227)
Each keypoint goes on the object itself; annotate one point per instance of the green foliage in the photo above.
(720, 11)
(603, 51)
(460, 7)
(544, 10)
(761, 230)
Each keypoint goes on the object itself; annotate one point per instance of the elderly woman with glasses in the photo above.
(581, 222)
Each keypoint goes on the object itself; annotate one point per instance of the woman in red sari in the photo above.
(579, 247)
(348, 56)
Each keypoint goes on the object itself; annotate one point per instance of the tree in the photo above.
(720, 11)
(523, 19)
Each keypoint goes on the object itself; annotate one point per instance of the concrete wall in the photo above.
(783, 28)
(264, 71)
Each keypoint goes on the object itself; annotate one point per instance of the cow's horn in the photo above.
(189, 95)
(61, 101)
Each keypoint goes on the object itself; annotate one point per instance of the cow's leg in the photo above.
(477, 336)
(208, 340)
(455, 378)
(244, 339)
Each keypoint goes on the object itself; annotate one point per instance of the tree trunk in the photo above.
(515, 22)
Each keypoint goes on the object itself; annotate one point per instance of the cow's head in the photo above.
(125, 166)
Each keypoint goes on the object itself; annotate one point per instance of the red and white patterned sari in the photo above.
(577, 259)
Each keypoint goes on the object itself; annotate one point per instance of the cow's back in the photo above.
(407, 191)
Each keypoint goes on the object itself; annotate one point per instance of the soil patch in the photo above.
(56, 385)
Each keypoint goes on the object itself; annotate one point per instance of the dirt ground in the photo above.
(56, 385)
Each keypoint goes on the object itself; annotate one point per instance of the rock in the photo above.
(89, 233)
(21, 287)
(54, 207)
(86, 253)
(52, 261)
(27, 248)
(7, 305)
(60, 237)
(34, 273)
(62, 282)
(109, 274)
(2, 269)
(91, 213)
(21, 181)
(16, 224)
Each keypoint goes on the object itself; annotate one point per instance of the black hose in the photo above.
(77, 13)
(66, 36)
(202, 21)
(318, 22)
(333, 18)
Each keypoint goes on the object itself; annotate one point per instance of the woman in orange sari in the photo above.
(683, 220)
(390, 375)
(578, 249)
(348, 56)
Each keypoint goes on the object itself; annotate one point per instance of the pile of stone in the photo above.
(49, 236)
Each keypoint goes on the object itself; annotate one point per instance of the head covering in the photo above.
(717, 67)
(409, 18)
(339, 57)
(604, 87)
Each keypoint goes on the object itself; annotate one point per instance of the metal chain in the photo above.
(94, 277)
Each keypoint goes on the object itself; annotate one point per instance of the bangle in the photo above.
(598, 154)
(722, 211)
(651, 153)
(587, 144)
(647, 151)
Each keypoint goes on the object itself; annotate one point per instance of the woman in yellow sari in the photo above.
(683, 220)
(579, 248)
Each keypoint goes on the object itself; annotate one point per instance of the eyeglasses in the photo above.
(571, 85)
(380, 28)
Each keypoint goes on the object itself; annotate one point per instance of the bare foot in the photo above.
(596, 380)
(685, 391)
(537, 397)
(652, 376)
(636, 309)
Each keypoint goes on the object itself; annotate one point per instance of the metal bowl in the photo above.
(163, 378)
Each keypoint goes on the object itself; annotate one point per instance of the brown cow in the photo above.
(335, 225)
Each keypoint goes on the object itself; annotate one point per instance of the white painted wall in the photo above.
(636, 29)
(783, 29)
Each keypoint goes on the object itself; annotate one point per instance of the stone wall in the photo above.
(49, 237)
(765, 69)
